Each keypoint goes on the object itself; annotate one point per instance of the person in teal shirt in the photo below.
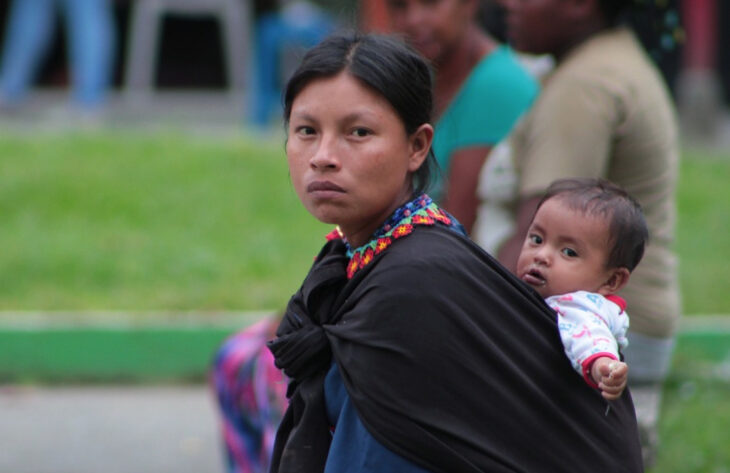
(480, 89)
(493, 97)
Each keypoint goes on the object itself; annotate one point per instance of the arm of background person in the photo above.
(461, 198)
(510, 249)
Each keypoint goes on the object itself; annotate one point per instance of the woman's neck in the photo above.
(585, 31)
(457, 64)
(360, 233)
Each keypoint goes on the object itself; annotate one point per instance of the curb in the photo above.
(173, 347)
(113, 346)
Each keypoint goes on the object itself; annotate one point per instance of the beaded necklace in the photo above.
(419, 211)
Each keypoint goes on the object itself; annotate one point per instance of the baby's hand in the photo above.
(610, 375)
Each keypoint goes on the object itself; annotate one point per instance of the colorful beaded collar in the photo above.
(420, 211)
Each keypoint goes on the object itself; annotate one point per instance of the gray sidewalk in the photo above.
(206, 111)
(110, 429)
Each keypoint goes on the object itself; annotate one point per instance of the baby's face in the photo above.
(565, 251)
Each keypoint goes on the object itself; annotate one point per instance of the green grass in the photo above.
(134, 222)
(694, 428)
(695, 414)
(702, 233)
(142, 222)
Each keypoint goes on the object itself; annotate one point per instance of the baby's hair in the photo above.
(629, 233)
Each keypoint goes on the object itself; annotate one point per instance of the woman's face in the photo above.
(350, 158)
(433, 27)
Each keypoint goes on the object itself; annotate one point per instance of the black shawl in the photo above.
(450, 362)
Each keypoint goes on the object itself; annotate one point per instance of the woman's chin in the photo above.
(326, 215)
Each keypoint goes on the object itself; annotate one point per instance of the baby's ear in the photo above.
(617, 278)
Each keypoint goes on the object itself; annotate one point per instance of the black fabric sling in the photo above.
(450, 362)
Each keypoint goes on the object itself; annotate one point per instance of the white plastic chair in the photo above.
(234, 17)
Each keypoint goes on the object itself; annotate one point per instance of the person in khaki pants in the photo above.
(605, 112)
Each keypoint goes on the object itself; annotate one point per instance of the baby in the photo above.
(586, 237)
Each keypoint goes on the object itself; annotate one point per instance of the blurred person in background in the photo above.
(251, 396)
(29, 31)
(605, 111)
(282, 26)
(480, 91)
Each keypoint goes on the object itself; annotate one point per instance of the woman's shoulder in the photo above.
(496, 93)
(501, 69)
(434, 250)
(612, 58)
(609, 77)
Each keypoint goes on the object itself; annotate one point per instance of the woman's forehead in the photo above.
(341, 94)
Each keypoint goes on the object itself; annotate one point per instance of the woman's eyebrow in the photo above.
(302, 115)
(360, 114)
(350, 117)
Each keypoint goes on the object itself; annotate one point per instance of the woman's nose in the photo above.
(325, 156)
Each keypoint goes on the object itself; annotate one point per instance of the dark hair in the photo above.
(657, 24)
(627, 226)
(612, 10)
(385, 65)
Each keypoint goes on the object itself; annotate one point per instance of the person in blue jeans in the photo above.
(282, 25)
(29, 30)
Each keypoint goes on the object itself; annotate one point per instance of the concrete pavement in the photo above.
(110, 429)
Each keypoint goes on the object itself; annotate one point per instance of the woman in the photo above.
(480, 91)
(408, 348)
(606, 112)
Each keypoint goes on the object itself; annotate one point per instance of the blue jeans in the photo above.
(91, 37)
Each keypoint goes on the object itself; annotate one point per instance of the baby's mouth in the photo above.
(534, 277)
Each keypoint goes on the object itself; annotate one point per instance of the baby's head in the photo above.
(587, 234)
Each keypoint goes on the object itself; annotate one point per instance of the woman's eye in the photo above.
(361, 132)
(570, 252)
(305, 130)
(536, 239)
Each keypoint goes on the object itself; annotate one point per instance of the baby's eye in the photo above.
(570, 252)
(361, 132)
(536, 239)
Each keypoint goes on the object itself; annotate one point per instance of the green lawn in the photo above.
(142, 222)
(694, 427)
(702, 233)
(695, 414)
(134, 222)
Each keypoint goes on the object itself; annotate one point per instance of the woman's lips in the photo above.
(324, 187)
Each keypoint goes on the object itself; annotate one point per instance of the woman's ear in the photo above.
(617, 279)
(420, 144)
